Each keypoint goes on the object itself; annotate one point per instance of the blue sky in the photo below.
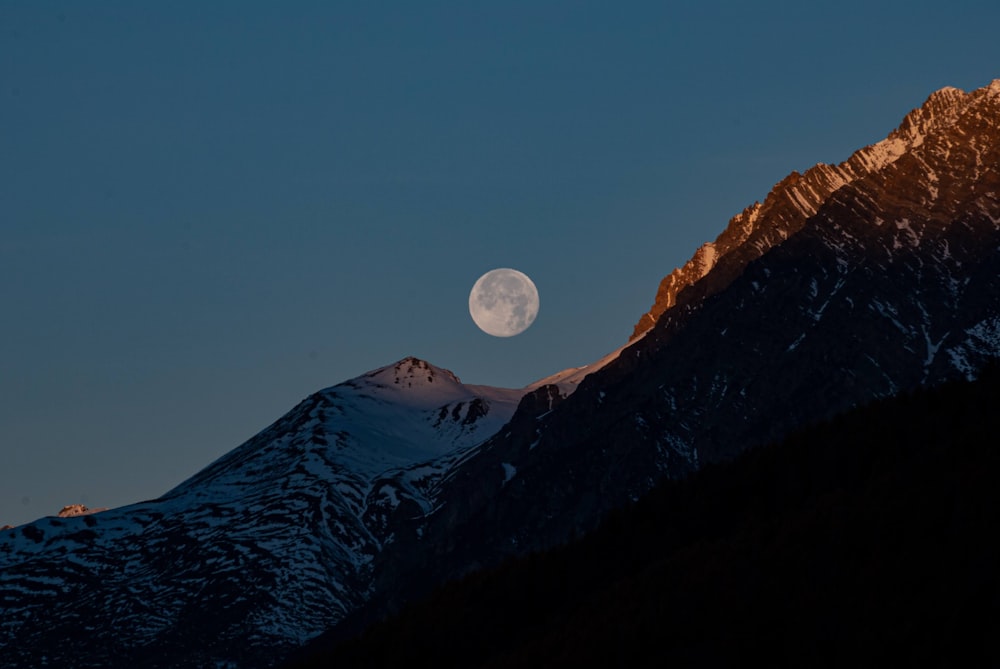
(210, 210)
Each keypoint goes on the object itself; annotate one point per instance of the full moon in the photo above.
(503, 302)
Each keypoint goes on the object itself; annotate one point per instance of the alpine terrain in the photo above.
(263, 549)
(848, 283)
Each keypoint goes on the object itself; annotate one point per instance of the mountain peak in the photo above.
(945, 95)
(941, 108)
(942, 120)
(411, 372)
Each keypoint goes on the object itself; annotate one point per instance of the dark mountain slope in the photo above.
(868, 540)
(892, 283)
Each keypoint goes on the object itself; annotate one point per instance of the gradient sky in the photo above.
(210, 210)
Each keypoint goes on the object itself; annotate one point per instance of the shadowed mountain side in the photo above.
(824, 322)
(891, 283)
(868, 540)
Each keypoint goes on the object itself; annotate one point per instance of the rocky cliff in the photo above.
(945, 119)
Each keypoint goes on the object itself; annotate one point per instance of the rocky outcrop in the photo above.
(73, 510)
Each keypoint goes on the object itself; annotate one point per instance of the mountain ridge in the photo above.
(797, 197)
(774, 556)
(274, 539)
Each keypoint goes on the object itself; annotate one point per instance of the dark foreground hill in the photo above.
(868, 540)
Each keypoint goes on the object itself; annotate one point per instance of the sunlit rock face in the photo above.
(949, 120)
(72, 510)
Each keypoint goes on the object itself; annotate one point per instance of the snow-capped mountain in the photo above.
(848, 283)
(266, 547)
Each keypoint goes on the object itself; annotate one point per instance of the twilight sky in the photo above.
(210, 210)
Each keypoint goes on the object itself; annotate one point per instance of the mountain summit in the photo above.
(949, 120)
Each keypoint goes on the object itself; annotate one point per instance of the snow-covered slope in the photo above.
(568, 379)
(267, 546)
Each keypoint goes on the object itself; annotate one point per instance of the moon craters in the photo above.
(503, 302)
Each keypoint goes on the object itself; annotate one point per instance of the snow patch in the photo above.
(568, 379)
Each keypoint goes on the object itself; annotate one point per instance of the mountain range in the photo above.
(847, 284)
(866, 540)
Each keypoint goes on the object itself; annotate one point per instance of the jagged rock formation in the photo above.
(797, 197)
(72, 510)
